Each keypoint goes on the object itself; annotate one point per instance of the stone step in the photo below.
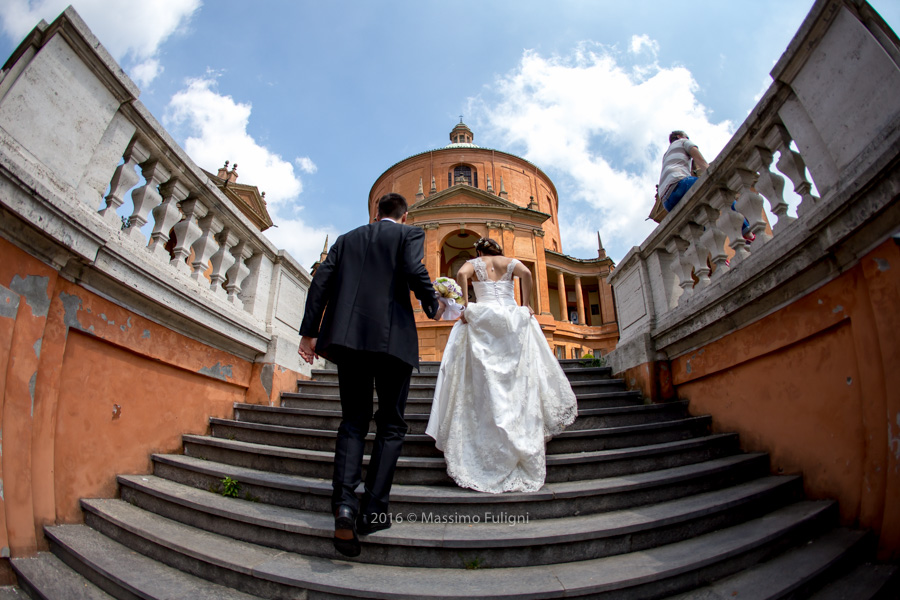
(423, 405)
(795, 573)
(576, 440)
(589, 418)
(126, 573)
(270, 573)
(500, 539)
(11, 592)
(423, 391)
(574, 374)
(431, 470)
(554, 500)
(46, 577)
(865, 582)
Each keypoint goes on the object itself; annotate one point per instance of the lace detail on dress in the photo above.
(481, 270)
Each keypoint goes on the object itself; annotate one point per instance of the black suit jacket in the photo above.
(363, 289)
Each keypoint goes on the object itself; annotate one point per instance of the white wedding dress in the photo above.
(500, 393)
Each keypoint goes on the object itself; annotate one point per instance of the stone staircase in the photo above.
(641, 501)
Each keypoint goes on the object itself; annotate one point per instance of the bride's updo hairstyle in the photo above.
(488, 247)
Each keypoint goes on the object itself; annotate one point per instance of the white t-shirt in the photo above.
(676, 166)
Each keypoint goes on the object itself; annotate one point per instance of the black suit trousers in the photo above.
(358, 373)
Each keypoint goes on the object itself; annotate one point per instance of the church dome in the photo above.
(461, 137)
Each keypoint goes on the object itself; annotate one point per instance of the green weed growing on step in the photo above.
(231, 488)
(251, 497)
(475, 563)
(589, 360)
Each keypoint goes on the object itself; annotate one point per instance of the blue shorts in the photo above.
(678, 193)
(681, 189)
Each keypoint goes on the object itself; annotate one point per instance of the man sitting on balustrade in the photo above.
(677, 176)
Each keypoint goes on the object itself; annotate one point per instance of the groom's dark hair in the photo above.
(392, 206)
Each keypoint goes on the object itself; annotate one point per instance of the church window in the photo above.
(463, 174)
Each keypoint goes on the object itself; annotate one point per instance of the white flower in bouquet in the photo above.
(447, 288)
(448, 293)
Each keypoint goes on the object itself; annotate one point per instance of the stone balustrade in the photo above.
(825, 132)
(78, 150)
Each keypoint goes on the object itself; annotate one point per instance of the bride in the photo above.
(500, 392)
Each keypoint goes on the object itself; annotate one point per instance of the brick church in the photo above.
(462, 192)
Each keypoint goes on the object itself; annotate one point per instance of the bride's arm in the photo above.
(524, 275)
(462, 278)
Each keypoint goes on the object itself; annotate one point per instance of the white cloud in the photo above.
(132, 31)
(146, 72)
(305, 164)
(214, 129)
(599, 129)
(217, 127)
(639, 42)
(302, 241)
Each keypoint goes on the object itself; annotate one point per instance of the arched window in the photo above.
(463, 174)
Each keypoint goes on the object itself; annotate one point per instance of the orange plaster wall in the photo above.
(116, 408)
(815, 385)
(89, 390)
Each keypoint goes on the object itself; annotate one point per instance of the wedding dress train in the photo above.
(500, 393)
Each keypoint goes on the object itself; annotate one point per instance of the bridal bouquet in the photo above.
(448, 293)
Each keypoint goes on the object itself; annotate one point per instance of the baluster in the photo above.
(791, 164)
(730, 223)
(681, 266)
(221, 261)
(771, 186)
(238, 271)
(206, 244)
(692, 232)
(124, 178)
(186, 233)
(146, 198)
(749, 202)
(165, 216)
(712, 238)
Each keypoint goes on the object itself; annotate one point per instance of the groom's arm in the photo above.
(319, 291)
(416, 273)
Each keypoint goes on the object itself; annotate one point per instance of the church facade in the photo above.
(463, 192)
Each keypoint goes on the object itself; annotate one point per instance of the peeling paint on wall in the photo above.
(146, 334)
(4, 552)
(1, 490)
(838, 309)
(894, 440)
(219, 371)
(71, 306)
(883, 265)
(127, 325)
(31, 384)
(266, 377)
(9, 303)
(35, 290)
(37, 347)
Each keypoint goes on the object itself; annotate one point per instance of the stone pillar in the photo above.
(541, 284)
(607, 308)
(579, 300)
(563, 307)
(432, 250)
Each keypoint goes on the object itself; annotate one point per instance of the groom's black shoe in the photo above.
(345, 539)
(368, 523)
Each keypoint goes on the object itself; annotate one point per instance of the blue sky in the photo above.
(315, 99)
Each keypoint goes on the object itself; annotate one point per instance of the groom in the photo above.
(369, 330)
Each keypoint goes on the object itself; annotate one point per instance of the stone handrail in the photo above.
(832, 118)
(77, 141)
